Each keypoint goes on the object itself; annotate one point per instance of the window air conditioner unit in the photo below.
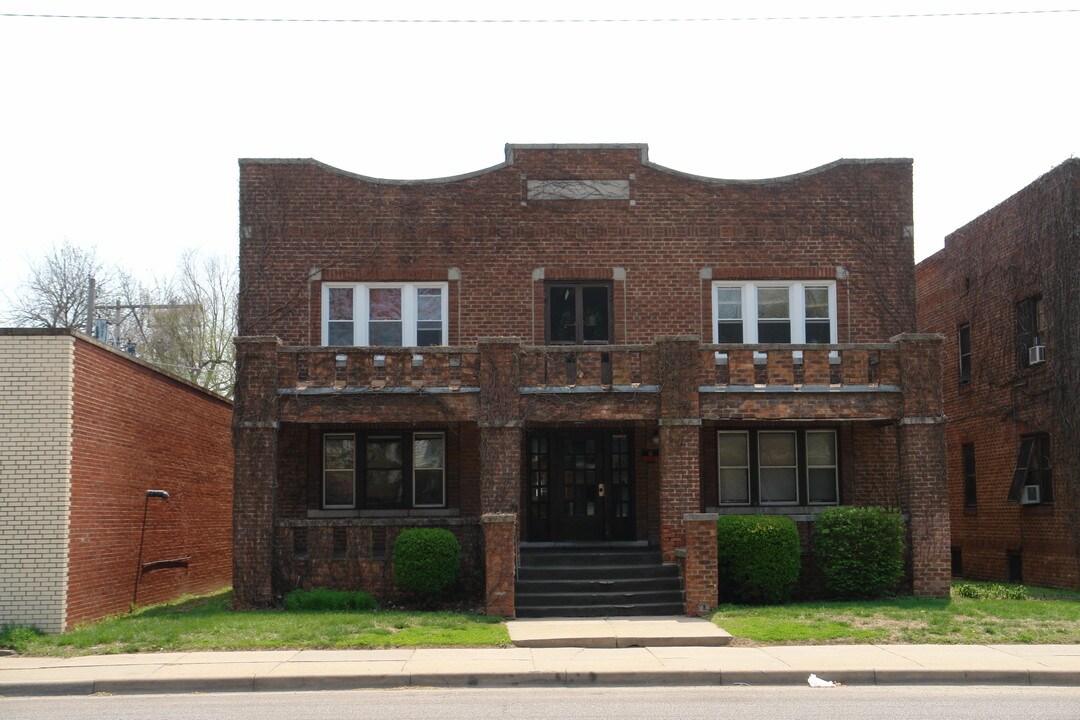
(1030, 495)
(1036, 354)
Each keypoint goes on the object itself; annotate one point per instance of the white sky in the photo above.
(124, 134)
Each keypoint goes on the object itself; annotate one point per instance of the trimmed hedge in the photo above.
(426, 560)
(325, 599)
(758, 557)
(860, 550)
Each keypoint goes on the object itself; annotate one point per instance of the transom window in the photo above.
(774, 312)
(393, 314)
(777, 467)
(578, 313)
(384, 470)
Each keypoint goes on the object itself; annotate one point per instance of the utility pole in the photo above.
(90, 307)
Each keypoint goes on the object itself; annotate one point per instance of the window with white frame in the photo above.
(733, 460)
(763, 311)
(778, 468)
(393, 314)
(384, 470)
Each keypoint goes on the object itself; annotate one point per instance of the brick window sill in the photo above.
(405, 513)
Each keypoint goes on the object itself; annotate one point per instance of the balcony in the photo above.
(607, 382)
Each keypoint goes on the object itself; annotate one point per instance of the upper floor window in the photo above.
(964, 341)
(1030, 330)
(578, 313)
(396, 314)
(774, 312)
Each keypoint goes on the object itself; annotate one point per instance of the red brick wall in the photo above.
(299, 217)
(1008, 254)
(136, 429)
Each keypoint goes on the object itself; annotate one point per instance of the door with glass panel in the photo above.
(579, 486)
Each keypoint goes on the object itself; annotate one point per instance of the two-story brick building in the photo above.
(575, 348)
(1005, 292)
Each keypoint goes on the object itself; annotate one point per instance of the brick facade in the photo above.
(1024, 248)
(521, 417)
(109, 428)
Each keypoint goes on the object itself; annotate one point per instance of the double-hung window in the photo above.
(774, 312)
(1030, 328)
(384, 470)
(777, 467)
(963, 334)
(1033, 468)
(392, 314)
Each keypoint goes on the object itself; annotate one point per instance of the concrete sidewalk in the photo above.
(354, 669)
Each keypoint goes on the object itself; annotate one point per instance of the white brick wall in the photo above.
(35, 478)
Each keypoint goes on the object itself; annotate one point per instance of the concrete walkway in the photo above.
(616, 632)
(352, 669)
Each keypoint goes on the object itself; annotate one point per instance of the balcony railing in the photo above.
(802, 366)
(379, 368)
(588, 367)
(593, 368)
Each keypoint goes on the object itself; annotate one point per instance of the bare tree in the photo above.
(194, 340)
(54, 295)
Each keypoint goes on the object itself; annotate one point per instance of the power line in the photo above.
(539, 21)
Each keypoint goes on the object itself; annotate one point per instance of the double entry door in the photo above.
(579, 485)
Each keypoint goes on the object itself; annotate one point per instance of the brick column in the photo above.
(924, 484)
(500, 563)
(700, 572)
(255, 430)
(680, 438)
(500, 468)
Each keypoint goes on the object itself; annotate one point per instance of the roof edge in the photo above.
(510, 149)
(83, 337)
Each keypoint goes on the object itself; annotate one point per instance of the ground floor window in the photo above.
(384, 470)
(1031, 479)
(777, 467)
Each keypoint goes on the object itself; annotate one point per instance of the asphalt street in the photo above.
(714, 703)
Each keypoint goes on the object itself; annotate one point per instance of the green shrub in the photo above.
(325, 599)
(860, 550)
(989, 591)
(758, 557)
(17, 637)
(426, 560)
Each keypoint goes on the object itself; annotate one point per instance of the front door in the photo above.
(579, 485)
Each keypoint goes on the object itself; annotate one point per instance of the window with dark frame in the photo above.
(777, 467)
(384, 470)
(579, 313)
(1033, 468)
(964, 342)
(1030, 328)
(967, 454)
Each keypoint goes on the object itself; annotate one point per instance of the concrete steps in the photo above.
(594, 581)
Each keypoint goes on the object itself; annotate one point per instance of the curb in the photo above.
(293, 683)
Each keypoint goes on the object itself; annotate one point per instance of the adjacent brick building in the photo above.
(1005, 292)
(576, 347)
(87, 430)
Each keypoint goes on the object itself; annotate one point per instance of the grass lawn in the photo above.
(209, 623)
(1050, 616)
